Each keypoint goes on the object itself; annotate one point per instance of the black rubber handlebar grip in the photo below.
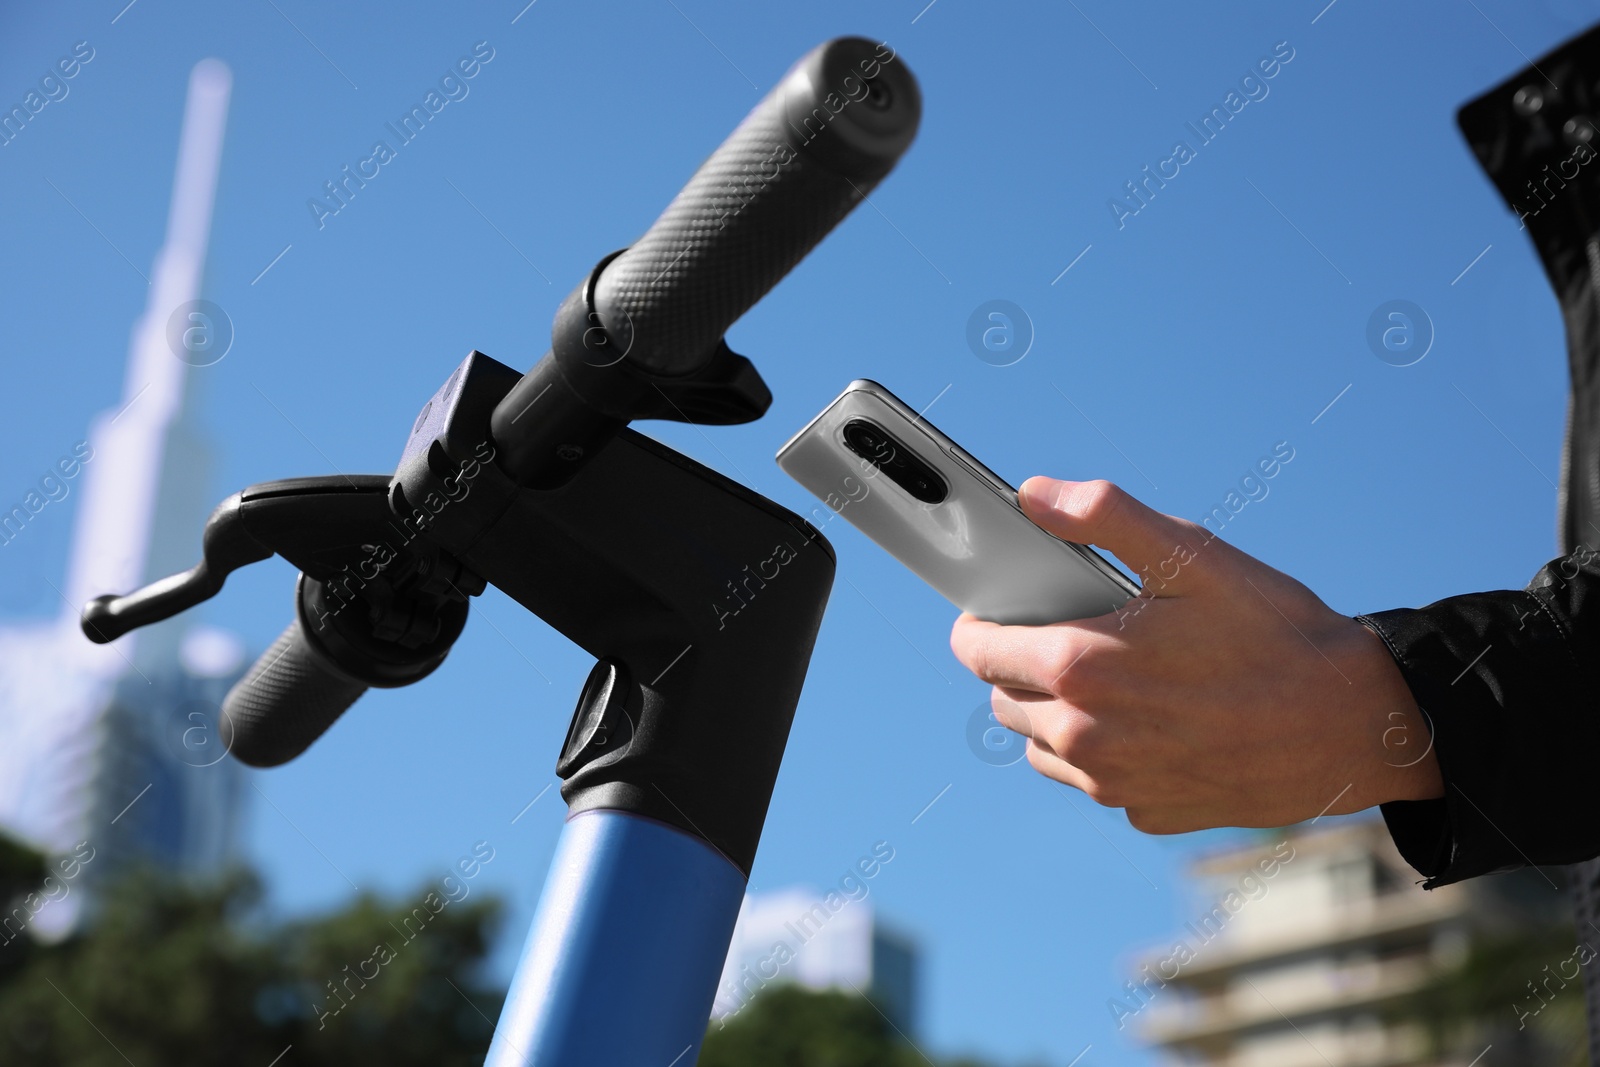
(289, 698)
(799, 162)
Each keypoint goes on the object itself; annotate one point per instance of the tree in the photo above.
(170, 971)
(173, 972)
(1508, 989)
(789, 1026)
(22, 871)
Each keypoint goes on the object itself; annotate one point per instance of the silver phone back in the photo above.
(976, 546)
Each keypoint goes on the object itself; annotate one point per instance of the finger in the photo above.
(1100, 513)
(1161, 821)
(1040, 717)
(1051, 765)
(1017, 657)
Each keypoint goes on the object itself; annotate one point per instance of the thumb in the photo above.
(1102, 514)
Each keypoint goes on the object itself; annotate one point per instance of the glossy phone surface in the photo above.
(930, 504)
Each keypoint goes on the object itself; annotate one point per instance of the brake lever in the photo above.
(316, 524)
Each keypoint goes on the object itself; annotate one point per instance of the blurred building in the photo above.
(116, 745)
(821, 941)
(1304, 946)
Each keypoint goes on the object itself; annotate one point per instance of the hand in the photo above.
(1226, 694)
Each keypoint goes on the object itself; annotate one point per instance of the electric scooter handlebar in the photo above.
(328, 657)
(287, 700)
(799, 162)
(391, 629)
(804, 157)
(641, 336)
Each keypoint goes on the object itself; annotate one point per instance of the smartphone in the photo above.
(892, 475)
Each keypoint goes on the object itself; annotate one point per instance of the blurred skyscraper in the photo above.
(821, 941)
(1307, 949)
(116, 744)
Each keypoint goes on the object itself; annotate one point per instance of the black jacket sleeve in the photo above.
(1509, 682)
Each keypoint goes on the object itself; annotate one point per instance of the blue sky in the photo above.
(1222, 318)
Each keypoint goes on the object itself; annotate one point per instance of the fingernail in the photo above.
(1039, 494)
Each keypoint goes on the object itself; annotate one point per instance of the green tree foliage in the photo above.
(788, 1026)
(21, 869)
(174, 973)
(1508, 990)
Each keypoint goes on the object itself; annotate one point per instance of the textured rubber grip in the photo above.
(288, 700)
(809, 151)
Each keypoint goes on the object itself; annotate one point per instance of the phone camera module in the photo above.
(876, 446)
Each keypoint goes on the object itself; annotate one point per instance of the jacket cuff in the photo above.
(1498, 683)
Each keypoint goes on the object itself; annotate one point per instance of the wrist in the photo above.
(1393, 747)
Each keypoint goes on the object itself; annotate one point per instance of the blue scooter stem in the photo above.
(621, 965)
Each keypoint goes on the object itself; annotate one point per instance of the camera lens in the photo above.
(903, 466)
